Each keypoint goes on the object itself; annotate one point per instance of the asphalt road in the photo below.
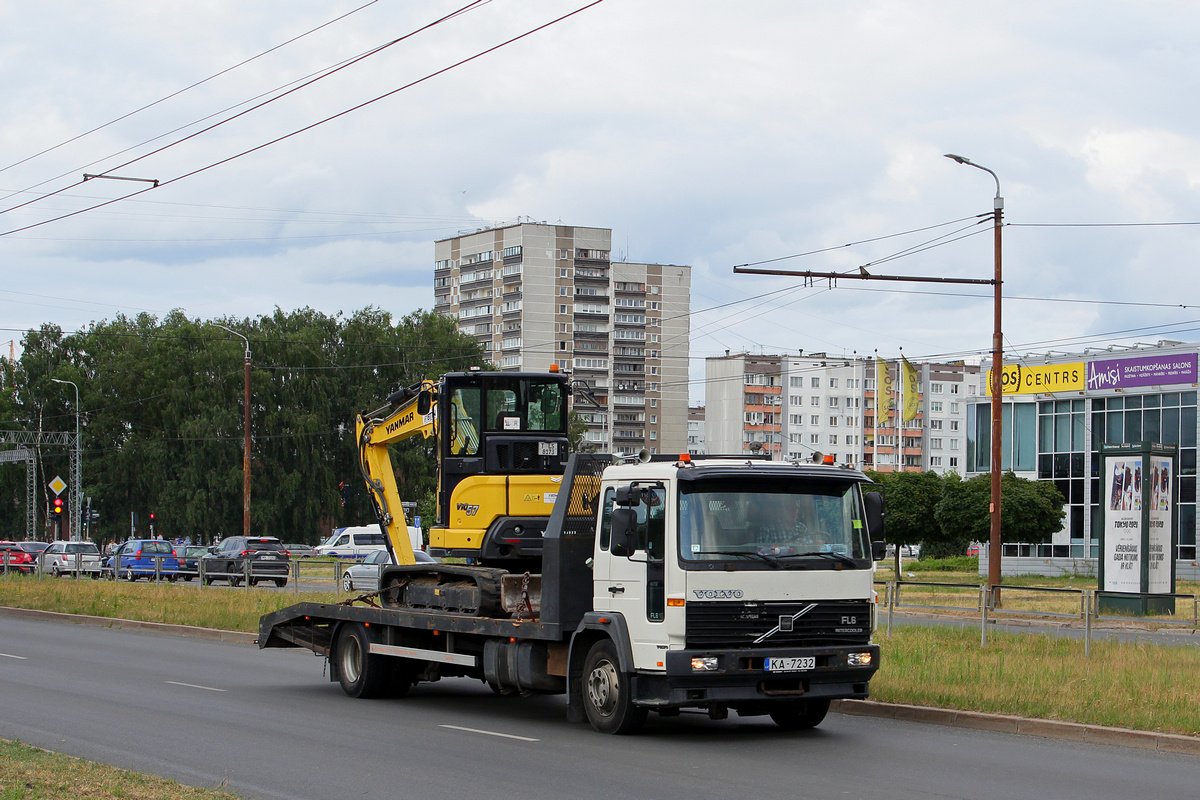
(268, 724)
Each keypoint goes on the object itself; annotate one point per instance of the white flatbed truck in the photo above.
(717, 584)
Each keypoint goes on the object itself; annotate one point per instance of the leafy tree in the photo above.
(1030, 511)
(163, 427)
(912, 500)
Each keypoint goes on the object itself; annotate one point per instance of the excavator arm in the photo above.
(409, 412)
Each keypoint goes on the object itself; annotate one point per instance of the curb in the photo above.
(214, 634)
(1045, 728)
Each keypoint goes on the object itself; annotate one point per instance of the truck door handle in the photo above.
(616, 589)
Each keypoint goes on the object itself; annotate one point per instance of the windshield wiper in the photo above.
(820, 554)
(743, 553)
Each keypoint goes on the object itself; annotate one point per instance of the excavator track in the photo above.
(454, 588)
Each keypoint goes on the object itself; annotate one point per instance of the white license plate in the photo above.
(267, 558)
(791, 664)
(547, 448)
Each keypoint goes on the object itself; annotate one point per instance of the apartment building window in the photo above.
(935, 405)
(833, 402)
(833, 421)
(953, 461)
(833, 385)
(954, 444)
(815, 383)
(814, 401)
(814, 420)
(953, 424)
(954, 408)
(630, 319)
(796, 419)
(796, 399)
(935, 424)
(935, 444)
(796, 382)
(510, 361)
(833, 439)
(562, 309)
(936, 461)
(814, 438)
(954, 388)
(936, 388)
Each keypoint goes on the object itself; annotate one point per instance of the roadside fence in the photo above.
(1022, 602)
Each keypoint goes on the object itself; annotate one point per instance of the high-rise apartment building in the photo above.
(804, 407)
(535, 294)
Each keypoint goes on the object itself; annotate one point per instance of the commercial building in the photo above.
(536, 295)
(1061, 409)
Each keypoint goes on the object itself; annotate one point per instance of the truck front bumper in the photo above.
(741, 677)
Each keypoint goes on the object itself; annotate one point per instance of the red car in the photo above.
(14, 557)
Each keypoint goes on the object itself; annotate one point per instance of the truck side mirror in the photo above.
(424, 402)
(876, 513)
(878, 551)
(623, 524)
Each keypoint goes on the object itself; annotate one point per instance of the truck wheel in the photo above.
(607, 695)
(360, 673)
(800, 715)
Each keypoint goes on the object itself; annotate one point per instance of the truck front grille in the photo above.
(770, 624)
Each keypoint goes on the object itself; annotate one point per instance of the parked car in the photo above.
(364, 576)
(973, 550)
(65, 558)
(142, 558)
(300, 550)
(266, 555)
(14, 558)
(354, 543)
(189, 560)
(36, 548)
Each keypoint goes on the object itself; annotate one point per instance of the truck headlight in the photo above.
(704, 664)
(859, 659)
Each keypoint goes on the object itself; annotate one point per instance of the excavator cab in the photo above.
(502, 452)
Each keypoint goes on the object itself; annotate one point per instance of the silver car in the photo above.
(64, 558)
(364, 576)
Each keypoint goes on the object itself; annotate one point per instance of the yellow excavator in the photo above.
(501, 443)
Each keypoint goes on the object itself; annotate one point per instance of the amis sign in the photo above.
(1119, 373)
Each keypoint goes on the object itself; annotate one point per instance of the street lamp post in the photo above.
(996, 387)
(77, 477)
(245, 436)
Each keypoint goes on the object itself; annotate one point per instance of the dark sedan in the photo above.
(261, 558)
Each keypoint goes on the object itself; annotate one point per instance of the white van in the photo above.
(359, 542)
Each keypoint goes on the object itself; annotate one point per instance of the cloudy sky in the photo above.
(705, 132)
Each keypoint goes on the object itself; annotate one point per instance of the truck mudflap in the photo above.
(746, 677)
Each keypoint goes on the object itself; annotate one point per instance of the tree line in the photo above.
(945, 513)
(161, 413)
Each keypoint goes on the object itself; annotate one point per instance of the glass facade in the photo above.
(1168, 418)
(1060, 441)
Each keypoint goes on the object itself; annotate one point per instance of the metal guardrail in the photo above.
(991, 613)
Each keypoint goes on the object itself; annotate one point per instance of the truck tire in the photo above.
(800, 715)
(360, 673)
(607, 692)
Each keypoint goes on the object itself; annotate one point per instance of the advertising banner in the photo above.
(1122, 540)
(1161, 524)
(1022, 379)
(1120, 373)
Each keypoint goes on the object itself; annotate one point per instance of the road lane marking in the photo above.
(490, 733)
(194, 686)
(19, 658)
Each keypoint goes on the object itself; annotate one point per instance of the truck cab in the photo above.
(735, 584)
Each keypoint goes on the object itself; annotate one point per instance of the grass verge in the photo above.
(1141, 686)
(28, 773)
(177, 604)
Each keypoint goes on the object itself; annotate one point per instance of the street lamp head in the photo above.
(959, 159)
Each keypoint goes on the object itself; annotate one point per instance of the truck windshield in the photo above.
(770, 521)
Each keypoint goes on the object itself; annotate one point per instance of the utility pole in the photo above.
(245, 436)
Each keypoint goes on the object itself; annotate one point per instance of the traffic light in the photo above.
(58, 505)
